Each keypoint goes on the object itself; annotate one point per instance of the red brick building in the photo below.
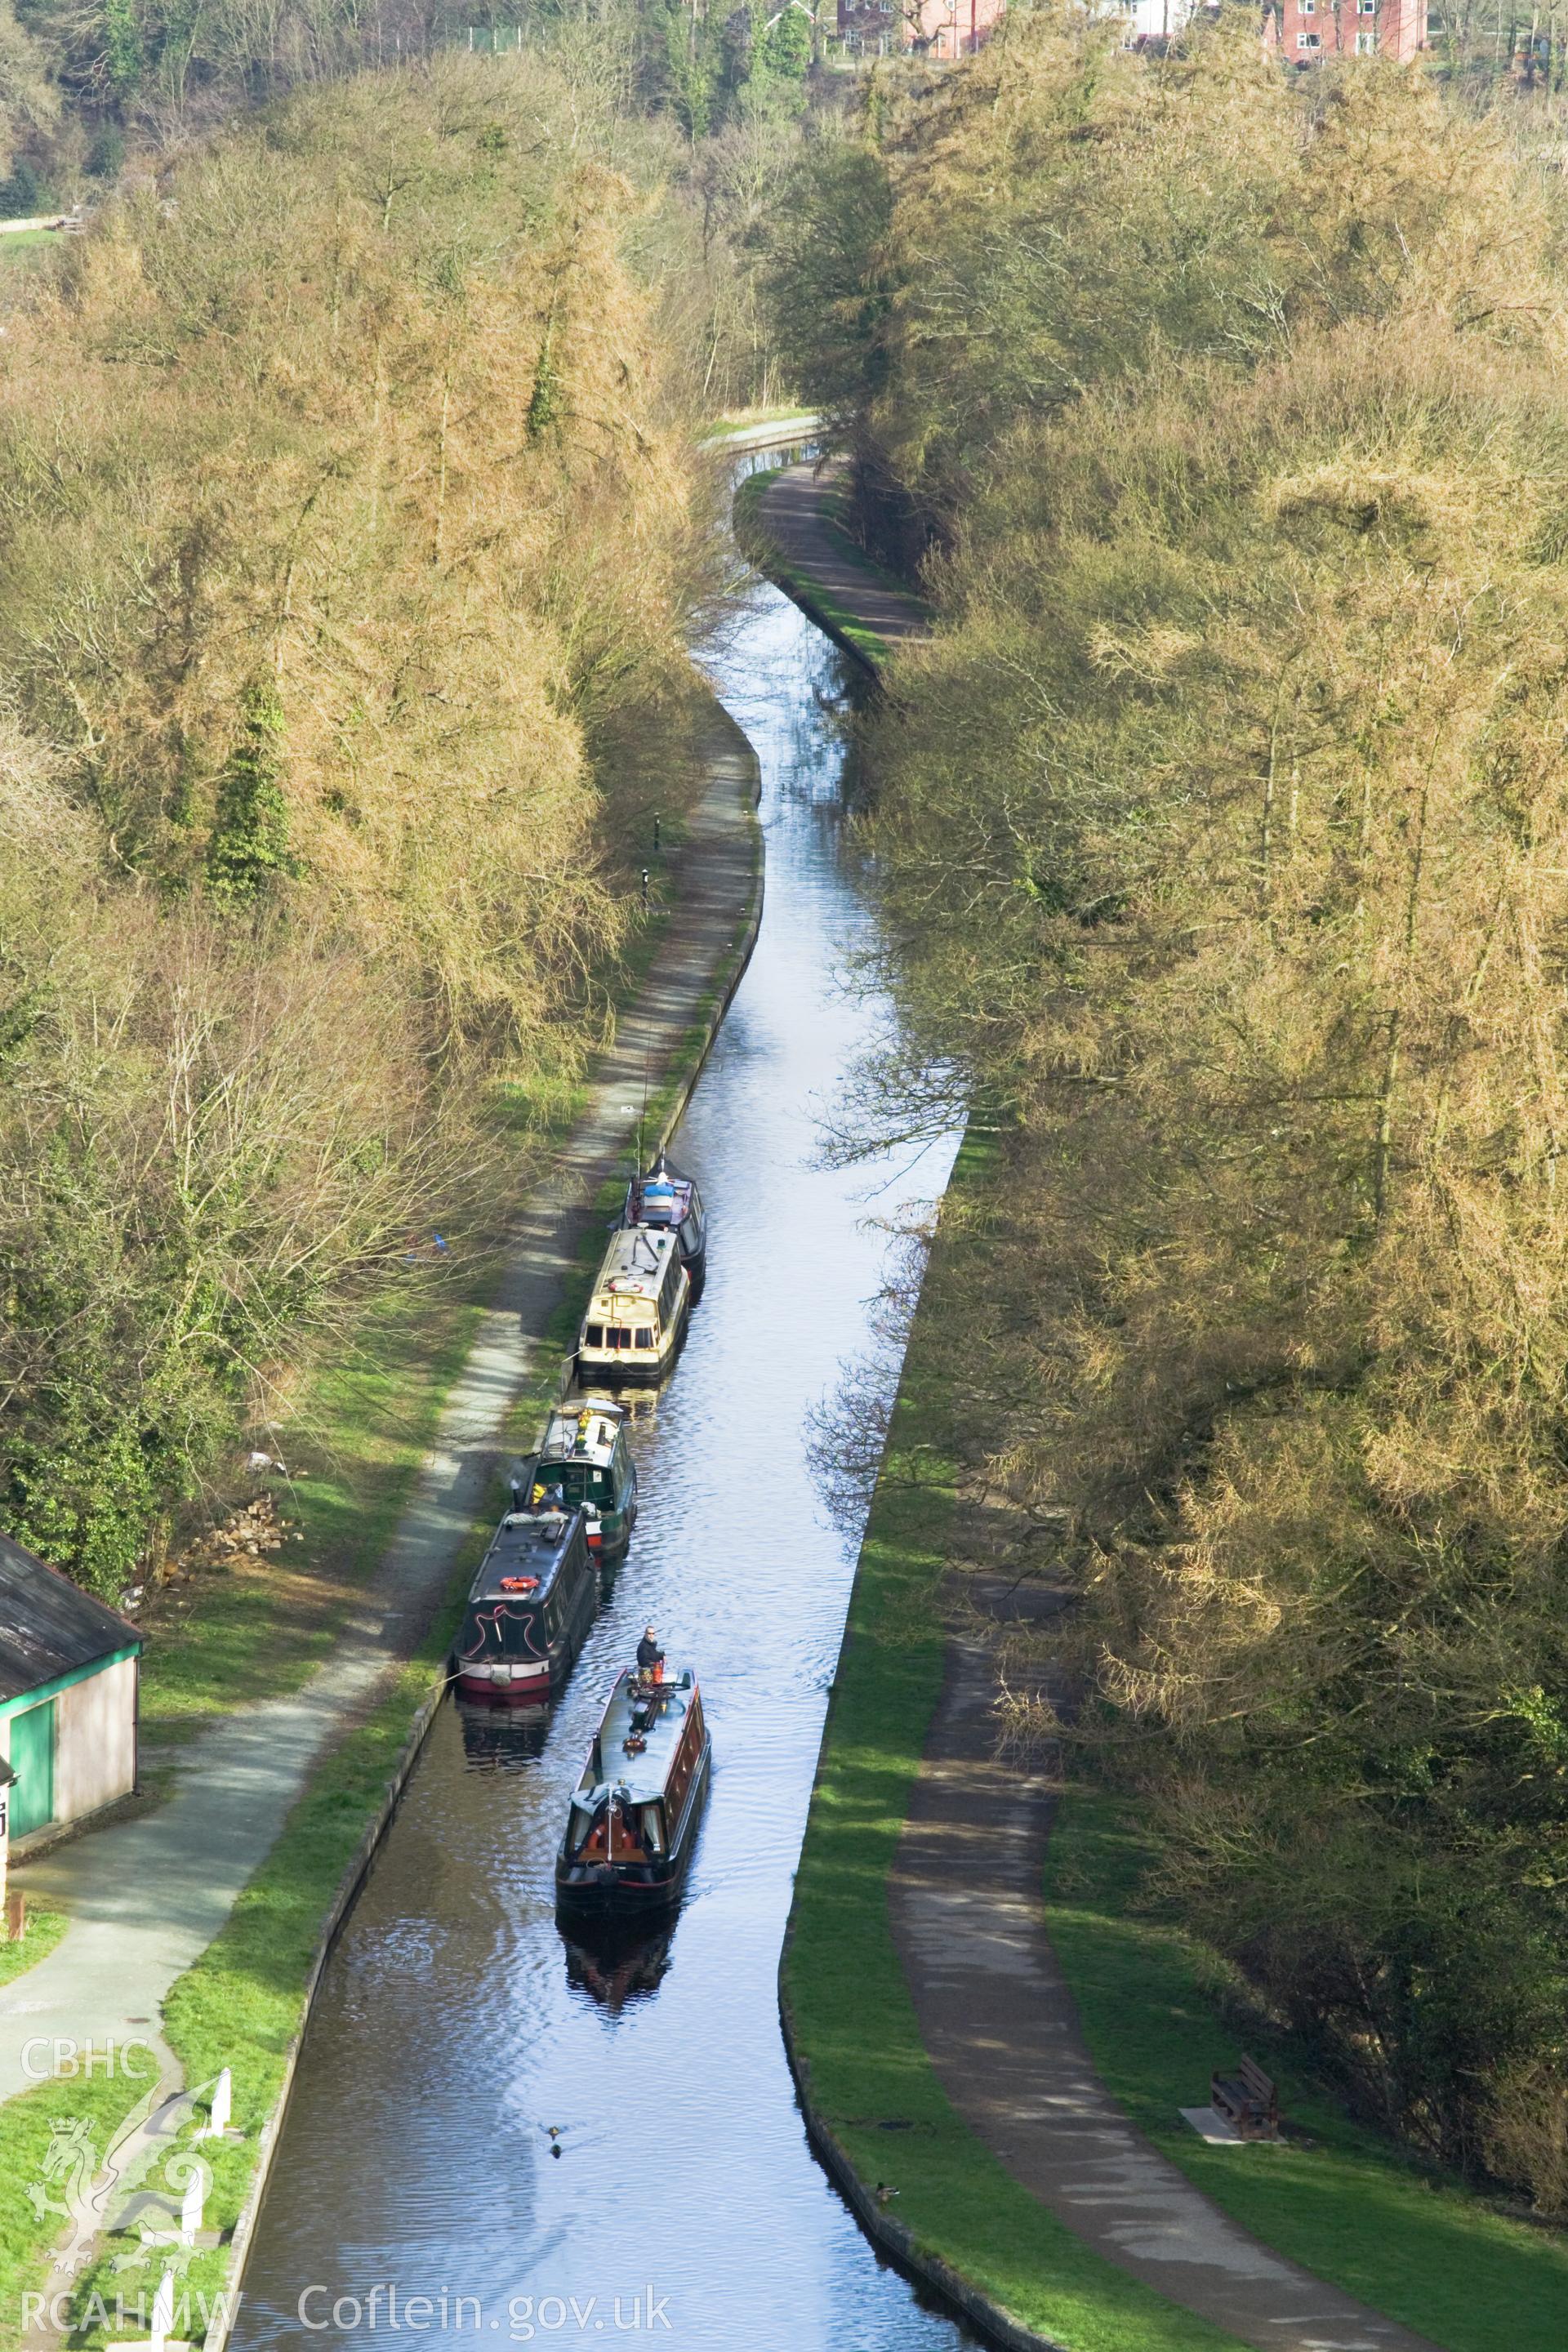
(1301, 31)
(938, 29)
(1304, 30)
(948, 28)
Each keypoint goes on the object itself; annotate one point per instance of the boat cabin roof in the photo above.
(527, 1553)
(664, 1196)
(584, 1433)
(635, 1263)
(638, 1780)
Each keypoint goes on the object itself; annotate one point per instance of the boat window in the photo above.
(593, 1334)
(652, 1828)
(645, 1335)
(580, 1481)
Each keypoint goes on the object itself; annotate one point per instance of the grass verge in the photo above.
(41, 1932)
(24, 246)
(851, 2022)
(1343, 2202)
(96, 2105)
(366, 1425)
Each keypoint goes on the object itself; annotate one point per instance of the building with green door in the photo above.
(69, 1668)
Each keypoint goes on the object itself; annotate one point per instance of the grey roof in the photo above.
(50, 1626)
(643, 1777)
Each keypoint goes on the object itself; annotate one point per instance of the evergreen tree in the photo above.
(249, 850)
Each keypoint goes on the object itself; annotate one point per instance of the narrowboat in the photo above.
(664, 1200)
(585, 1461)
(639, 1309)
(528, 1608)
(632, 1820)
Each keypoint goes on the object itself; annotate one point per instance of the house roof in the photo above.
(50, 1626)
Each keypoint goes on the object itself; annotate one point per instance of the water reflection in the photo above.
(499, 1737)
(616, 1969)
(484, 2108)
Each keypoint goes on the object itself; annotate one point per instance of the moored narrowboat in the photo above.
(528, 1608)
(632, 1824)
(585, 1461)
(666, 1201)
(637, 1312)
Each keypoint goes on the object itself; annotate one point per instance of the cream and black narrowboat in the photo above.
(639, 1309)
(632, 1820)
(667, 1201)
(531, 1604)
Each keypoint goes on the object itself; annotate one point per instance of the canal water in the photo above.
(454, 2027)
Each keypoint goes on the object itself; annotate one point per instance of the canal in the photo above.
(454, 2027)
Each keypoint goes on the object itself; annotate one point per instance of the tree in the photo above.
(247, 853)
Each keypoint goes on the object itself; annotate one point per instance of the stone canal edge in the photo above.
(994, 2014)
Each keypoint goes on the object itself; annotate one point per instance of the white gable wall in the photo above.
(95, 1741)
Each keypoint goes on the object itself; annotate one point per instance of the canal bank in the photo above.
(482, 2106)
(921, 2183)
(993, 2069)
(211, 1916)
(788, 521)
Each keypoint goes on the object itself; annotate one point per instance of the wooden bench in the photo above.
(1247, 2099)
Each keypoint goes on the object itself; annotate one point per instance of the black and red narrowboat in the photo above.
(528, 1608)
(632, 1820)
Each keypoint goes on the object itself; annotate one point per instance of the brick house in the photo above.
(938, 29)
(1303, 31)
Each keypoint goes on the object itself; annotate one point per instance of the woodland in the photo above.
(350, 538)
(350, 534)
(1222, 844)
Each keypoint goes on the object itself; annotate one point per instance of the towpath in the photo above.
(146, 1897)
(1000, 2024)
(795, 513)
(995, 2012)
